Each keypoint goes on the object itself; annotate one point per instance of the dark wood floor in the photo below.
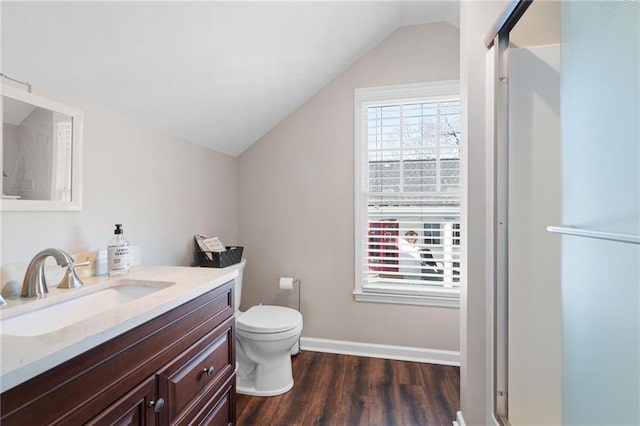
(345, 390)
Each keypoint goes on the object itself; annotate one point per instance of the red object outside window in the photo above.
(383, 246)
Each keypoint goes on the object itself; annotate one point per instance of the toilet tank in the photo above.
(238, 286)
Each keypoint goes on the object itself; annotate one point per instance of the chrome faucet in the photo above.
(35, 284)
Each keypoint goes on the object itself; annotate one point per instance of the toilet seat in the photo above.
(266, 319)
(268, 337)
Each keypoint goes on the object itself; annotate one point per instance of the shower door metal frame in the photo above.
(498, 39)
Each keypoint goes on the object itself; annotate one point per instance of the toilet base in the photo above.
(271, 376)
(250, 389)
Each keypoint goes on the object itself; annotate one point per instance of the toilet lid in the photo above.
(269, 319)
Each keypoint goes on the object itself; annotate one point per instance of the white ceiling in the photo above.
(220, 74)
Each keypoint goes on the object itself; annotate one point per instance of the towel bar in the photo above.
(610, 236)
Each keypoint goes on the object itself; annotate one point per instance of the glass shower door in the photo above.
(600, 92)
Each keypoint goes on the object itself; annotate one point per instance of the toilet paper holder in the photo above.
(287, 283)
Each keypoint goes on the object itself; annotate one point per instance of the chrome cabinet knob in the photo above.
(157, 405)
(209, 371)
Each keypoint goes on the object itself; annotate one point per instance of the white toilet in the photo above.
(265, 337)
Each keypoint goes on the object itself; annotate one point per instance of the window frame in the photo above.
(410, 295)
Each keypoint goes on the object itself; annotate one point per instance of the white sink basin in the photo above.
(55, 316)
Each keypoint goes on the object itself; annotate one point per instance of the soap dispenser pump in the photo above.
(118, 253)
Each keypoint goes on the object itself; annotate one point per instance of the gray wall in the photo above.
(163, 189)
(296, 201)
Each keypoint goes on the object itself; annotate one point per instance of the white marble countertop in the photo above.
(24, 357)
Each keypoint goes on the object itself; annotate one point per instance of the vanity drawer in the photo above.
(191, 377)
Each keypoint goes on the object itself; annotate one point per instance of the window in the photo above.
(408, 194)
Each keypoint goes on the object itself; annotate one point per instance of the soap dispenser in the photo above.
(118, 253)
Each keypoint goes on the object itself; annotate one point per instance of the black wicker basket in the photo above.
(212, 259)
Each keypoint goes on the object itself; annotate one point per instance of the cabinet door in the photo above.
(135, 408)
(223, 411)
(189, 382)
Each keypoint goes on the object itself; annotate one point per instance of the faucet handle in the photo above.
(74, 264)
(71, 279)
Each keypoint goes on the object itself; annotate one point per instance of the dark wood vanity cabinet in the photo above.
(176, 369)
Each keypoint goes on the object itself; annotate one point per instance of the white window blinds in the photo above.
(409, 203)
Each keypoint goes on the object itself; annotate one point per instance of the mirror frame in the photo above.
(76, 158)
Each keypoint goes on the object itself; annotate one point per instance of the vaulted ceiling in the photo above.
(220, 74)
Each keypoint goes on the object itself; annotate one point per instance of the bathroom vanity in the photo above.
(176, 368)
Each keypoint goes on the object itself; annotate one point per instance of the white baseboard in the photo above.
(401, 353)
(459, 421)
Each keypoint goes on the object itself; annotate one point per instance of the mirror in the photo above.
(41, 153)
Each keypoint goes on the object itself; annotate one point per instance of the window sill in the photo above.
(443, 297)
